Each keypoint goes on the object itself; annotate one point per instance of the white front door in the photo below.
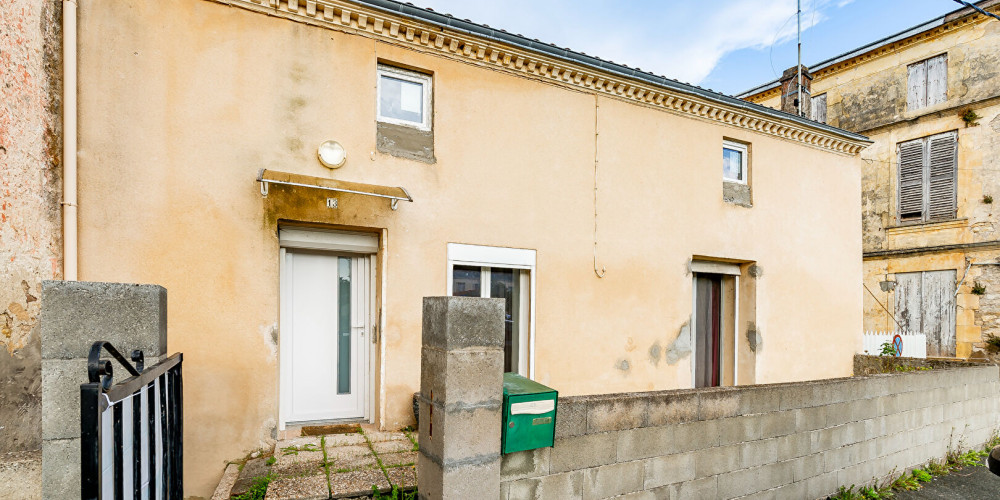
(326, 304)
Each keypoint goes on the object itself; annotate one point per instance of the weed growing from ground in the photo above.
(397, 493)
(258, 489)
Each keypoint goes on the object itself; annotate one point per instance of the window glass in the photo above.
(401, 99)
(467, 281)
(732, 164)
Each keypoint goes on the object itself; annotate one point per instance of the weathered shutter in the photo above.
(911, 180)
(942, 160)
(937, 315)
(908, 301)
(818, 107)
(916, 86)
(937, 79)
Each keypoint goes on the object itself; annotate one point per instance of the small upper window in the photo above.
(927, 82)
(734, 162)
(404, 97)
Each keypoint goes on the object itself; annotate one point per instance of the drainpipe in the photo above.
(69, 141)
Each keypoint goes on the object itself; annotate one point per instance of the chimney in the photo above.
(789, 90)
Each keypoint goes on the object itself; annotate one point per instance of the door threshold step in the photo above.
(319, 430)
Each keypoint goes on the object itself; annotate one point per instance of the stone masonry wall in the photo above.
(798, 440)
(30, 220)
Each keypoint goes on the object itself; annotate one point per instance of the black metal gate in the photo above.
(131, 432)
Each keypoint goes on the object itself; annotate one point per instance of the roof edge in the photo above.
(427, 30)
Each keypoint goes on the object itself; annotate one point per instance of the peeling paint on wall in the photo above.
(623, 365)
(655, 352)
(269, 332)
(680, 348)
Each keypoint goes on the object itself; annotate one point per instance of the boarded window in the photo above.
(818, 108)
(925, 303)
(927, 178)
(927, 82)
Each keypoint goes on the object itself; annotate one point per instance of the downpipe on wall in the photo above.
(69, 141)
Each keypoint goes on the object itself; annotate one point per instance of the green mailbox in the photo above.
(529, 414)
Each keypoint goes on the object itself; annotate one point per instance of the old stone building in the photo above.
(930, 99)
(30, 222)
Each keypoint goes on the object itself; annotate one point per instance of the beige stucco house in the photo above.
(931, 246)
(299, 174)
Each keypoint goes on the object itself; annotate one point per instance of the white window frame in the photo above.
(745, 156)
(460, 254)
(410, 76)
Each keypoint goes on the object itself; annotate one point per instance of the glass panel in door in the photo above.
(344, 326)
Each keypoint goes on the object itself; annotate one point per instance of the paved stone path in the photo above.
(337, 465)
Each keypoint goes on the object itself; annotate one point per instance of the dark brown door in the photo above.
(708, 330)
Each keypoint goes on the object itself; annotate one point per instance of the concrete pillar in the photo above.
(461, 391)
(75, 314)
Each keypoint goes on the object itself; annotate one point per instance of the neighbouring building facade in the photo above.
(299, 174)
(30, 219)
(929, 98)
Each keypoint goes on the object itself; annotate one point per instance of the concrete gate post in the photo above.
(75, 314)
(461, 391)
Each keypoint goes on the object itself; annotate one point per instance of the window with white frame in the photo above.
(404, 97)
(734, 162)
(506, 273)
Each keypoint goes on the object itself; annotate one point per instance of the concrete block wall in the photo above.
(74, 315)
(797, 440)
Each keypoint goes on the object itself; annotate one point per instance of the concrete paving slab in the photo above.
(381, 436)
(344, 440)
(303, 463)
(403, 477)
(298, 488)
(338, 453)
(398, 459)
(305, 443)
(392, 446)
(357, 483)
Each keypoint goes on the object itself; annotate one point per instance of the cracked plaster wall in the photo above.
(30, 220)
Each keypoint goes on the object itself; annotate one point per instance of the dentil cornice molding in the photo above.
(361, 19)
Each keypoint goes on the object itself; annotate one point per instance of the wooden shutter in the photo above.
(942, 161)
(911, 180)
(937, 79)
(916, 86)
(937, 315)
(818, 108)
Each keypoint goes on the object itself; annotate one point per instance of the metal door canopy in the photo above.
(393, 194)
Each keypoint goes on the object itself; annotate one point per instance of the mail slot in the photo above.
(529, 414)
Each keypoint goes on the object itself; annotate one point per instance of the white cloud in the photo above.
(682, 40)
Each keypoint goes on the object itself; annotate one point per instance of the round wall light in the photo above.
(331, 154)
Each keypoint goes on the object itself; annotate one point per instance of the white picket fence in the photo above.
(914, 344)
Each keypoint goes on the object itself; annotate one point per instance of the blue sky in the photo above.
(726, 45)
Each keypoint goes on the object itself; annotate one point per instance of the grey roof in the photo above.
(479, 30)
(920, 28)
